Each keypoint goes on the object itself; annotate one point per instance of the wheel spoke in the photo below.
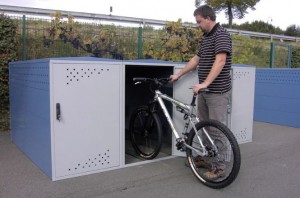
(145, 133)
(221, 165)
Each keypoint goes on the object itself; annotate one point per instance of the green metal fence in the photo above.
(284, 55)
(128, 42)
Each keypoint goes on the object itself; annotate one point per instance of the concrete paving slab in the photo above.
(269, 168)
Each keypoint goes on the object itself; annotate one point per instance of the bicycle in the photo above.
(196, 140)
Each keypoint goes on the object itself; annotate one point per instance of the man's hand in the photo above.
(174, 77)
(198, 87)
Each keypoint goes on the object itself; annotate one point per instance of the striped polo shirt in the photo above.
(218, 40)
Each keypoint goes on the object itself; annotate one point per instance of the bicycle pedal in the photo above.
(182, 149)
(179, 145)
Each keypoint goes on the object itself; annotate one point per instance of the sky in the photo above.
(280, 15)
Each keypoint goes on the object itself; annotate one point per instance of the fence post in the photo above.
(140, 43)
(272, 51)
(24, 38)
(289, 56)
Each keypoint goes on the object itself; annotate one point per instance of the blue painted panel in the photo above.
(30, 111)
(277, 117)
(282, 104)
(38, 61)
(278, 76)
(277, 96)
(277, 90)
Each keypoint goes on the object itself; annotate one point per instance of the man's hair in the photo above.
(205, 11)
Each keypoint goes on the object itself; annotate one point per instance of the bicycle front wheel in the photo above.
(222, 164)
(145, 133)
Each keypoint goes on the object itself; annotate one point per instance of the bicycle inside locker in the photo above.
(137, 95)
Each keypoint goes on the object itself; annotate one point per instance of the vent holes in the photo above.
(79, 74)
(101, 159)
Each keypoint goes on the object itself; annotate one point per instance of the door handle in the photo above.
(58, 113)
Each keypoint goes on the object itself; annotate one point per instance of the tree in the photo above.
(292, 30)
(8, 51)
(233, 8)
(257, 26)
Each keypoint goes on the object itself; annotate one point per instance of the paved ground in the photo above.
(270, 168)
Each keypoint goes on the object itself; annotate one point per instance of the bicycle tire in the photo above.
(145, 133)
(232, 158)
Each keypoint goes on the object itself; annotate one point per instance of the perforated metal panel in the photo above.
(87, 137)
(240, 117)
(277, 96)
(79, 74)
(278, 76)
(89, 163)
(242, 103)
(30, 111)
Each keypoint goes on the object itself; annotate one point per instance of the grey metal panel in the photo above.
(87, 138)
(243, 103)
(240, 115)
(183, 93)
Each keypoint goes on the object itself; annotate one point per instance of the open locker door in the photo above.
(183, 92)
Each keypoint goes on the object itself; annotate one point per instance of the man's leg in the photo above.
(218, 106)
(217, 110)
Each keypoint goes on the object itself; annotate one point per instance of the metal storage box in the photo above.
(70, 115)
(67, 114)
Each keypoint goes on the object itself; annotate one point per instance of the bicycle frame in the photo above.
(192, 118)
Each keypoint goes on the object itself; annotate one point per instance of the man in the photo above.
(213, 62)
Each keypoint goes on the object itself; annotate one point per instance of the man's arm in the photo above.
(191, 65)
(216, 68)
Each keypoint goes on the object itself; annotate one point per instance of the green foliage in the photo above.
(233, 8)
(293, 30)
(68, 32)
(197, 3)
(8, 48)
(64, 37)
(257, 26)
(179, 43)
(295, 62)
(250, 51)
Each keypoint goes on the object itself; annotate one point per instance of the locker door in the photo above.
(86, 137)
(183, 93)
(243, 103)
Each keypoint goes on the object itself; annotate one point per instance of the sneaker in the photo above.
(214, 174)
(199, 163)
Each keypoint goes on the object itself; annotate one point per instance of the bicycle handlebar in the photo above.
(157, 81)
(162, 81)
(195, 95)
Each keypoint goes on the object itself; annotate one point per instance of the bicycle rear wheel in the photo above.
(145, 133)
(227, 155)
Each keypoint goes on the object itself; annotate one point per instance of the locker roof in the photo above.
(69, 58)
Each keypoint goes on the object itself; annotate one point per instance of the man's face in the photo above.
(202, 23)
